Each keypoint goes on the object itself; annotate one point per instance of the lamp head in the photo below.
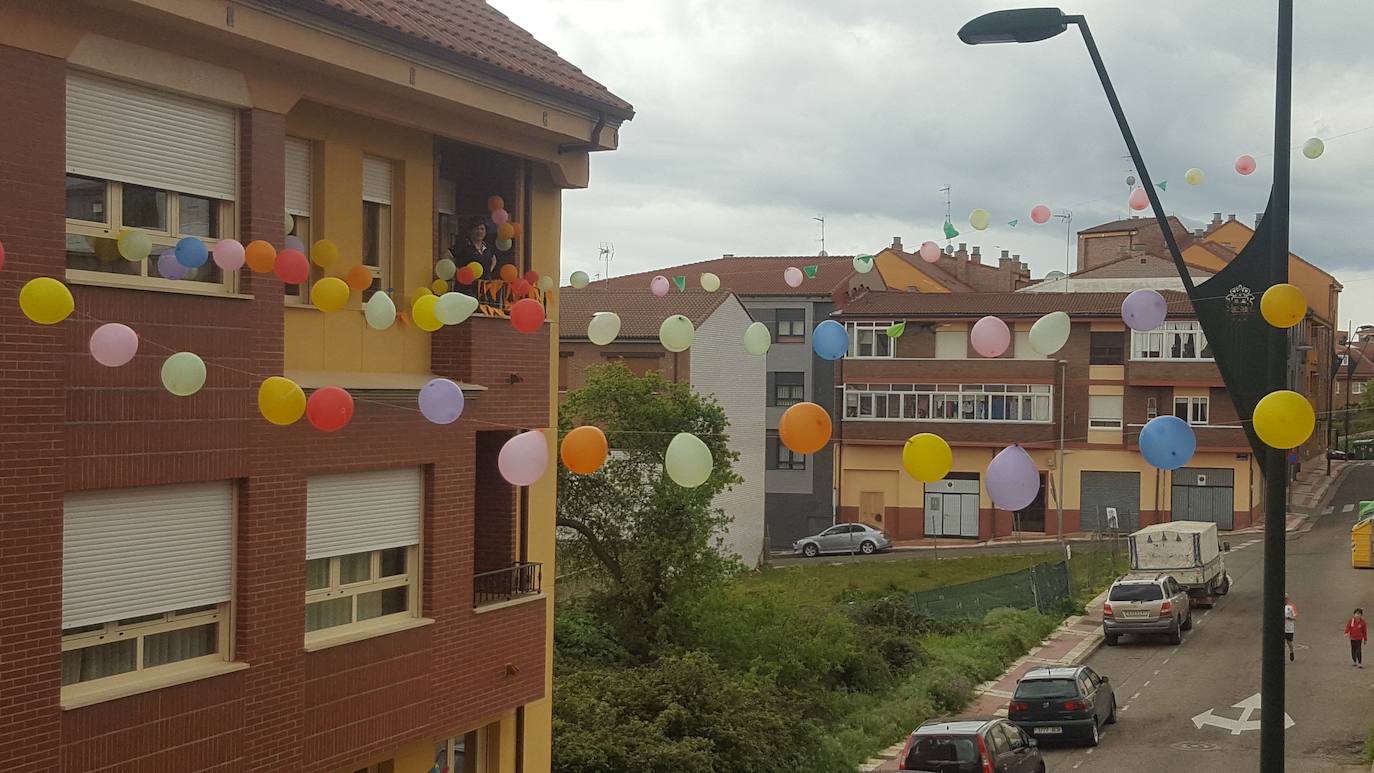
(1017, 25)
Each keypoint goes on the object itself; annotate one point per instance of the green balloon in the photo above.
(183, 374)
(687, 461)
(676, 333)
(896, 329)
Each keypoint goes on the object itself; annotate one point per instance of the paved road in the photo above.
(955, 549)
(1160, 688)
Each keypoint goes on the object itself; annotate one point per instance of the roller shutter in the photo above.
(361, 511)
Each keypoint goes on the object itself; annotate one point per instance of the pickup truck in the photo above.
(1188, 551)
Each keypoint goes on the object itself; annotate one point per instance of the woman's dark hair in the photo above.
(472, 223)
(1359, 610)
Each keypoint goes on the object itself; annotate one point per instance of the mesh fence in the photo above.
(1042, 588)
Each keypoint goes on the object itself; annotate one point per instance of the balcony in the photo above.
(503, 585)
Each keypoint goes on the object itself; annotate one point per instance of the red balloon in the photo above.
(527, 315)
(329, 408)
(292, 266)
(465, 276)
(2, 254)
(521, 288)
(532, 277)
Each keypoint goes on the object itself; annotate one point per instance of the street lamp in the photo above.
(1251, 355)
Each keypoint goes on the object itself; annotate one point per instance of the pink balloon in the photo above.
(1245, 164)
(229, 254)
(1040, 214)
(930, 252)
(1012, 479)
(113, 344)
(500, 216)
(659, 285)
(524, 458)
(1139, 199)
(990, 337)
(793, 276)
(1144, 310)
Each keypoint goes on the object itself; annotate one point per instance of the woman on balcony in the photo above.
(474, 249)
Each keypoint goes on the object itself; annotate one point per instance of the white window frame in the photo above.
(138, 630)
(337, 589)
(787, 459)
(1358, 387)
(1160, 343)
(382, 272)
(477, 753)
(1034, 403)
(301, 218)
(1114, 421)
(874, 333)
(795, 328)
(1191, 405)
(796, 392)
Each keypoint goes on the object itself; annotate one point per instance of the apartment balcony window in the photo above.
(789, 388)
(869, 339)
(1104, 412)
(523, 579)
(791, 324)
(1005, 403)
(1193, 410)
(1171, 341)
(1107, 348)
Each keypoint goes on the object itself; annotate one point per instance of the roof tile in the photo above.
(640, 311)
(748, 276)
(915, 305)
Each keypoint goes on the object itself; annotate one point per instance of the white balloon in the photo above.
(454, 308)
(676, 333)
(688, 460)
(793, 276)
(604, 327)
(757, 340)
(579, 279)
(1049, 333)
(710, 282)
(379, 311)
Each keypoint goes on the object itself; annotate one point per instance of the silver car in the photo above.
(843, 538)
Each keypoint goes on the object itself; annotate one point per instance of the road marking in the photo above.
(1165, 663)
(1133, 697)
(1147, 684)
(1076, 764)
(1156, 673)
(1348, 508)
(1123, 708)
(1241, 724)
(1327, 510)
(1090, 751)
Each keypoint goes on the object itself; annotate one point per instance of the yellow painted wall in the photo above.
(898, 274)
(1315, 283)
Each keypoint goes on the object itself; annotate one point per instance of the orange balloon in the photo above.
(494, 203)
(505, 231)
(508, 273)
(516, 230)
(804, 428)
(260, 256)
(358, 278)
(584, 450)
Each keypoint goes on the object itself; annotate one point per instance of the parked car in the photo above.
(1190, 552)
(970, 746)
(1060, 702)
(1144, 604)
(843, 538)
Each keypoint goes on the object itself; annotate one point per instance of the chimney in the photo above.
(977, 252)
(897, 243)
(962, 252)
(1230, 218)
(1216, 219)
(1199, 232)
(1258, 217)
(728, 255)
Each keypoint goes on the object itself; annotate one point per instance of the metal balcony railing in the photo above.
(523, 579)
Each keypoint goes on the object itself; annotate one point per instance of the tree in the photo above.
(651, 542)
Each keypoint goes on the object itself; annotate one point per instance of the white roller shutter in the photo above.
(298, 167)
(141, 551)
(361, 511)
(951, 344)
(119, 131)
(376, 180)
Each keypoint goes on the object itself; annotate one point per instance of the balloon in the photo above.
(379, 311)
(1130, 179)
(896, 329)
(517, 230)
(330, 294)
(292, 266)
(990, 337)
(107, 250)
(183, 374)
(113, 344)
(603, 328)
(927, 457)
(46, 301)
(445, 268)
(358, 278)
(169, 267)
(1049, 333)
(527, 315)
(583, 449)
(1144, 310)
(288, 222)
(441, 401)
(1283, 305)
(505, 231)
(1193, 176)
(464, 276)
(2, 255)
(281, 400)
(524, 458)
(504, 244)
(1139, 199)
(978, 218)
(192, 252)
(579, 279)
(659, 286)
(930, 252)
(804, 428)
(422, 312)
(532, 276)
(494, 203)
(1313, 148)
(438, 287)
(476, 269)
(499, 216)
(1012, 480)
(228, 254)
(547, 283)
(830, 340)
(329, 408)
(757, 339)
(293, 243)
(1245, 164)
(1040, 214)
(260, 256)
(793, 276)
(324, 253)
(1167, 442)
(454, 308)
(688, 460)
(676, 333)
(134, 245)
(509, 273)
(521, 288)
(710, 282)
(1284, 419)
(863, 263)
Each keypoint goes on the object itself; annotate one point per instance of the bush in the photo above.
(582, 638)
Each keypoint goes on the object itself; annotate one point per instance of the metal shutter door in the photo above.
(361, 511)
(1100, 490)
(376, 180)
(298, 168)
(140, 551)
(118, 131)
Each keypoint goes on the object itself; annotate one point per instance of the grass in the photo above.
(1369, 746)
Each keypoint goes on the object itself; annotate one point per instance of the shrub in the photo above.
(581, 637)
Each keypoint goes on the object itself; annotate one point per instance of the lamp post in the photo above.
(1252, 358)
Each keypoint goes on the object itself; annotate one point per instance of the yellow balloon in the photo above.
(1283, 305)
(281, 400)
(46, 300)
(419, 293)
(927, 457)
(438, 287)
(1193, 176)
(324, 252)
(330, 294)
(423, 313)
(1284, 419)
(476, 269)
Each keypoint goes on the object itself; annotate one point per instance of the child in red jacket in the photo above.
(1357, 630)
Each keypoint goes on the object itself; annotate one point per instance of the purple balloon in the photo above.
(1012, 479)
(1144, 310)
(295, 243)
(169, 267)
(441, 401)
(113, 344)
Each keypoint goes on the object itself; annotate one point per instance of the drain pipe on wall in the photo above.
(1059, 495)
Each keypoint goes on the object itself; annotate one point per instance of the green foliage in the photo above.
(1369, 745)
(581, 638)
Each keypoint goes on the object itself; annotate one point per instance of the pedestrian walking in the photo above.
(1290, 622)
(1357, 631)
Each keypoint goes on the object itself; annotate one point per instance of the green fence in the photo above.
(1043, 588)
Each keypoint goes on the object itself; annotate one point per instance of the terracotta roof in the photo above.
(1133, 224)
(474, 34)
(1137, 265)
(914, 305)
(641, 312)
(748, 276)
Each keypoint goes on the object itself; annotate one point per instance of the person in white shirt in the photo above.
(1290, 620)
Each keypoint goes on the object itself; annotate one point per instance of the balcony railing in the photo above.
(523, 579)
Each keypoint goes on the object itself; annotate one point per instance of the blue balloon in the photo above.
(1167, 442)
(192, 252)
(830, 340)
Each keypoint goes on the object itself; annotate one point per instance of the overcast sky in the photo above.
(754, 116)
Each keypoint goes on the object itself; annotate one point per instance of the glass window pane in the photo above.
(1181, 408)
(96, 253)
(909, 406)
(393, 562)
(172, 646)
(144, 208)
(198, 216)
(372, 234)
(317, 574)
(1042, 408)
(160, 616)
(355, 567)
(327, 614)
(383, 602)
(86, 199)
(99, 661)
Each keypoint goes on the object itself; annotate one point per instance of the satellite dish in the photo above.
(1054, 276)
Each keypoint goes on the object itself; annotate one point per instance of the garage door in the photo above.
(1101, 490)
(1204, 494)
(952, 507)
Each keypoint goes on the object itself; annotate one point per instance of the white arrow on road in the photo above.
(1237, 726)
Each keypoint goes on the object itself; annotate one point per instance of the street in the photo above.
(1161, 689)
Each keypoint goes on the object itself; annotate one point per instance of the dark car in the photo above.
(970, 746)
(1063, 702)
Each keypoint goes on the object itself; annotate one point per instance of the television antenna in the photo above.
(606, 253)
(1067, 217)
(821, 219)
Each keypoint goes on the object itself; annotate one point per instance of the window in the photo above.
(791, 323)
(377, 192)
(358, 587)
(460, 755)
(1357, 388)
(1191, 409)
(145, 642)
(1151, 408)
(1107, 348)
(869, 339)
(1171, 341)
(789, 388)
(789, 459)
(1022, 347)
(1021, 403)
(1104, 411)
(299, 173)
(951, 344)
